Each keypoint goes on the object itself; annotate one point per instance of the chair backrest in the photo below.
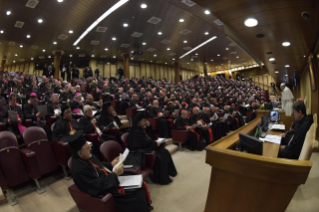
(34, 134)
(306, 150)
(52, 126)
(110, 150)
(8, 139)
(70, 163)
(124, 138)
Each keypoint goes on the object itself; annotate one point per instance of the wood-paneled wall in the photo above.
(156, 71)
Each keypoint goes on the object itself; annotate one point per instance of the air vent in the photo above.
(63, 37)
(95, 42)
(41, 57)
(232, 44)
(11, 43)
(141, 59)
(125, 45)
(188, 48)
(225, 58)
(19, 24)
(137, 34)
(194, 56)
(218, 22)
(32, 3)
(34, 47)
(22, 60)
(101, 29)
(188, 3)
(150, 49)
(154, 20)
(81, 55)
(172, 54)
(165, 41)
(233, 53)
(158, 61)
(185, 31)
(103, 56)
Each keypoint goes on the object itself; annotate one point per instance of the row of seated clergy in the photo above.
(96, 178)
(293, 140)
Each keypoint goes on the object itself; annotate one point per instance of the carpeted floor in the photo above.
(187, 193)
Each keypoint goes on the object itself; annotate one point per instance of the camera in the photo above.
(305, 15)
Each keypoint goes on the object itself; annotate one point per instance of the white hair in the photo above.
(86, 108)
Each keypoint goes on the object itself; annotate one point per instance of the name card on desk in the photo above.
(277, 127)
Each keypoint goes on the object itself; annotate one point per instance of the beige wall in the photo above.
(145, 69)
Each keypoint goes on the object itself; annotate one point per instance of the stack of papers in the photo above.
(131, 181)
(272, 139)
(94, 112)
(277, 127)
(161, 140)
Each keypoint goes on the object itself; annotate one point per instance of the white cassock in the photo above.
(287, 101)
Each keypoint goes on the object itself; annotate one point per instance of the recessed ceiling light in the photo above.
(70, 31)
(151, 61)
(211, 60)
(49, 56)
(250, 22)
(227, 48)
(173, 59)
(286, 75)
(43, 50)
(21, 46)
(237, 57)
(1, 31)
(185, 41)
(16, 55)
(165, 63)
(187, 63)
(181, 20)
(92, 55)
(286, 43)
(155, 55)
(207, 12)
(40, 21)
(101, 18)
(125, 25)
(8, 12)
(206, 33)
(304, 56)
(31, 58)
(28, 36)
(159, 33)
(287, 66)
(144, 44)
(192, 59)
(272, 59)
(14, 61)
(60, 0)
(106, 49)
(113, 38)
(196, 54)
(77, 47)
(114, 56)
(132, 58)
(276, 72)
(168, 49)
(222, 64)
(70, 55)
(54, 42)
(218, 55)
(143, 6)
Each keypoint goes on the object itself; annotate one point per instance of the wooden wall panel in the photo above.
(31, 68)
(132, 71)
(100, 67)
(113, 70)
(26, 67)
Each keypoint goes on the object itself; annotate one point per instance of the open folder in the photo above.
(122, 158)
(131, 181)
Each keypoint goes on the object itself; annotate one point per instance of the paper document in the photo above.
(276, 108)
(161, 140)
(278, 127)
(43, 109)
(248, 105)
(94, 112)
(272, 139)
(13, 115)
(57, 111)
(131, 181)
(122, 158)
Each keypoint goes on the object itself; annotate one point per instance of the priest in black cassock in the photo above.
(65, 126)
(141, 138)
(97, 179)
(164, 125)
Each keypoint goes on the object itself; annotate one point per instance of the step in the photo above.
(171, 148)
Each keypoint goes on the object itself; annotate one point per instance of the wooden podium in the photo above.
(243, 182)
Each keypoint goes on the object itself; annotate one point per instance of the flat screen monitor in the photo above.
(274, 116)
(250, 144)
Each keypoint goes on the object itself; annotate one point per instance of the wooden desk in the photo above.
(245, 182)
